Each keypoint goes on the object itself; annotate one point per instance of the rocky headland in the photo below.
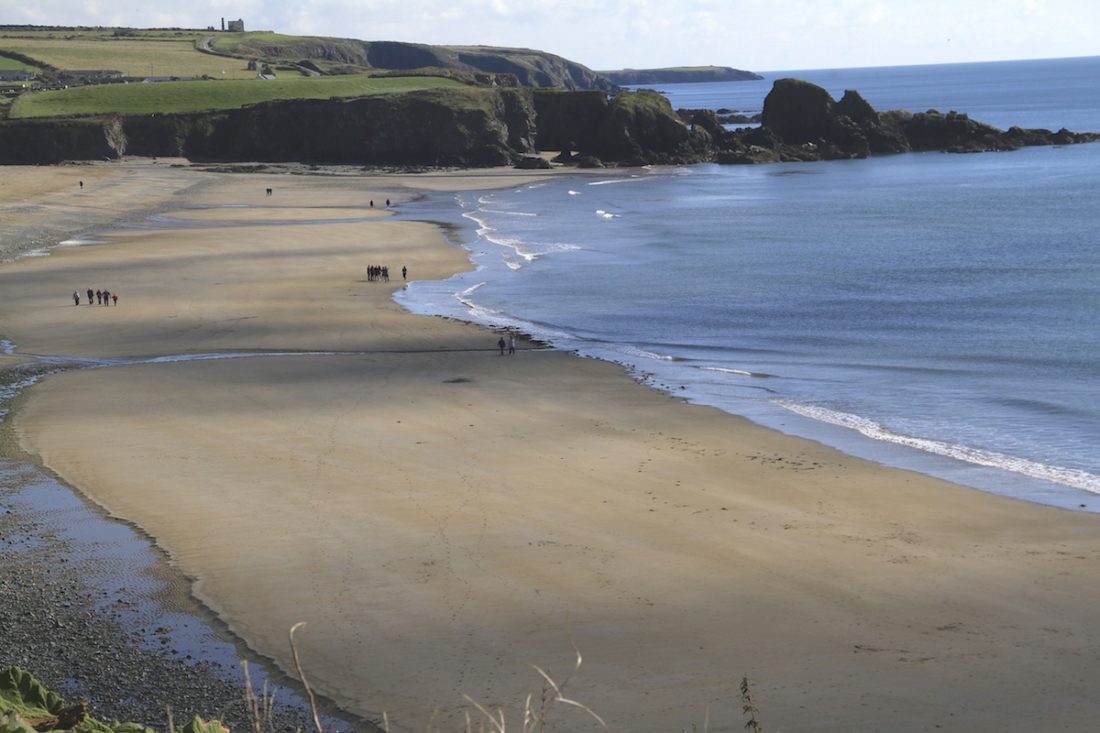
(679, 75)
(493, 126)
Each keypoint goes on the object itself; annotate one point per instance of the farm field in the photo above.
(197, 96)
(139, 56)
(7, 64)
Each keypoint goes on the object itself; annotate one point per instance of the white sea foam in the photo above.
(471, 290)
(6, 347)
(478, 312)
(606, 214)
(79, 242)
(527, 251)
(507, 213)
(574, 193)
(631, 179)
(738, 372)
(990, 459)
(636, 352)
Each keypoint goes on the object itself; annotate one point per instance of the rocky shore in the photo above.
(134, 646)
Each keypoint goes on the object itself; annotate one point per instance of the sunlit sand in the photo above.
(442, 517)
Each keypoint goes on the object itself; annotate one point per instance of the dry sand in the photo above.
(443, 517)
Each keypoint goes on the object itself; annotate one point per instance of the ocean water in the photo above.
(1050, 93)
(931, 311)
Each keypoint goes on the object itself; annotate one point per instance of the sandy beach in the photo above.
(443, 517)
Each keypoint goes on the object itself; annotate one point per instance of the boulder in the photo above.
(533, 162)
(797, 111)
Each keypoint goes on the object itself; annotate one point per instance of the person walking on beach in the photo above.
(511, 344)
(91, 294)
(404, 273)
(76, 298)
(99, 296)
(501, 344)
(106, 298)
(114, 297)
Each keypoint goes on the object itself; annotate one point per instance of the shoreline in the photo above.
(122, 618)
(571, 434)
(1040, 481)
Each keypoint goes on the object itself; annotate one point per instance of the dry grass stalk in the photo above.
(250, 700)
(748, 707)
(268, 705)
(302, 677)
(499, 726)
(534, 721)
(171, 723)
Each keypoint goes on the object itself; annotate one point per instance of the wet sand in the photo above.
(443, 517)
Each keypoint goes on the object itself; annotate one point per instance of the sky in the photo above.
(759, 35)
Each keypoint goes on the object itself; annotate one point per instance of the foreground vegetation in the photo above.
(28, 707)
(199, 96)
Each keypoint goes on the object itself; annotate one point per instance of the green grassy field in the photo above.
(138, 56)
(198, 96)
(245, 43)
(7, 64)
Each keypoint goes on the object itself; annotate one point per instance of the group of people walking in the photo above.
(382, 272)
(101, 297)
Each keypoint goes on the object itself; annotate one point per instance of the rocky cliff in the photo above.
(461, 128)
(488, 126)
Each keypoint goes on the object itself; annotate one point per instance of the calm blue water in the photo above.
(932, 311)
(1051, 93)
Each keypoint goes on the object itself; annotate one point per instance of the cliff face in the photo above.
(478, 127)
(486, 128)
(49, 141)
(459, 128)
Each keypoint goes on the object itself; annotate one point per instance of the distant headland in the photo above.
(679, 75)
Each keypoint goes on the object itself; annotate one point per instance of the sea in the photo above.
(931, 311)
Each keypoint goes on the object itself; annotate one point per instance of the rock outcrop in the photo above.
(802, 122)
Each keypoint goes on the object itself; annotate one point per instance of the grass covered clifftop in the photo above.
(189, 53)
(528, 67)
(198, 96)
